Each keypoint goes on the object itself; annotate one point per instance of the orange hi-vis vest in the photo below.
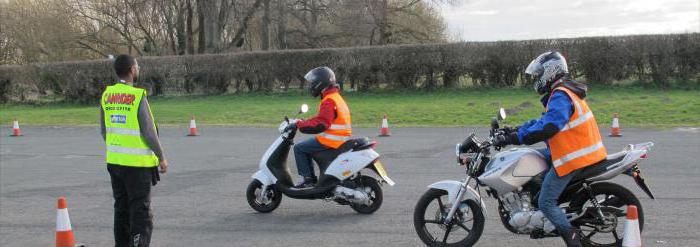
(341, 128)
(578, 144)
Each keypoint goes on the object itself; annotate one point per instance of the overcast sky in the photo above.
(486, 20)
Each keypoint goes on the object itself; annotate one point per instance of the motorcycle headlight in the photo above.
(466, 158)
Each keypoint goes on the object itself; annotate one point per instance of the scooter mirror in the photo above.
(494, 124)
(501, 114)
(304, 108)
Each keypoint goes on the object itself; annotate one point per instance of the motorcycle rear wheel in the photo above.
(473, 217)
(254, 200)
(613, 199)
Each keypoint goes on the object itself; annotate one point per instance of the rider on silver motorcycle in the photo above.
(570, 131)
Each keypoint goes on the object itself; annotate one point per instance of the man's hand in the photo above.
(508, 136)
(291, 125)
(163, 166)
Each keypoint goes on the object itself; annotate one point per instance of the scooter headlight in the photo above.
(283, 126)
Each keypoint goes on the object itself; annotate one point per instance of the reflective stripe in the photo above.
(578, 121)
(340, 126)
(62, 220)
(579, 153)
(578, 106)
(126, 150)
(123, 131)
(334, 137)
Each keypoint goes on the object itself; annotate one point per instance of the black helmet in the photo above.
(546, 69)
(319, 79)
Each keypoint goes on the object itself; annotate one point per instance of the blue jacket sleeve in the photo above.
(559, 110)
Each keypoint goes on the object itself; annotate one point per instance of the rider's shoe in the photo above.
(306, 183)
(572, 237)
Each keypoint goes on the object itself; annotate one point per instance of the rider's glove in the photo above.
(287, 125)
(508, 137)
(290, 127)
(511, 138)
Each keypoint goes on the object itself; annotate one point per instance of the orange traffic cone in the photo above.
(632, 237)
(615, 131)
(384, 131)
(15, 129)
(64, 232)
(193, 127)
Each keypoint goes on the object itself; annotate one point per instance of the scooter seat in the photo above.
(324, 158)
(355, 144)
(598, 168)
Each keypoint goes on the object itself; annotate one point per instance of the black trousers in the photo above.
(133, 218)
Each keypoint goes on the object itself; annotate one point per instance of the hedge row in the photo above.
(655, 58)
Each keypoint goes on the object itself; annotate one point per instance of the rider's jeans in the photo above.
(552, 187)
(303, 152)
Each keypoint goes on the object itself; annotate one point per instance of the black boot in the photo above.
(572, 237)
(306, 183)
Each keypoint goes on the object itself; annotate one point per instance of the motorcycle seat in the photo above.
(600, 167)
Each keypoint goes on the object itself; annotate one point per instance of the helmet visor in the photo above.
(535, 68)
(311, 76)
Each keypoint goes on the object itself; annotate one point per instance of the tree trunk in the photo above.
(312, 27)
(450, 78)
(384, 23)
(430, 83)
(281, 25)
(190, 31)
(201, 47)
(264, 29)
(181, 32)
(243, 26)
(211, 26)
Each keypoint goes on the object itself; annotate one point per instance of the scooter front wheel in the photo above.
(254, 194)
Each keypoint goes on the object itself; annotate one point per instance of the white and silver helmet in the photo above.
(546, 69)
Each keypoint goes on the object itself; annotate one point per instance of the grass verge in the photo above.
(472, 107)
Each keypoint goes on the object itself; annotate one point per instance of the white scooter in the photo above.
(340, 177)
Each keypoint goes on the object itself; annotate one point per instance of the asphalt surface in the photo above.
(201, 201)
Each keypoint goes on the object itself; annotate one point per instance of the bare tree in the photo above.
(52, 30)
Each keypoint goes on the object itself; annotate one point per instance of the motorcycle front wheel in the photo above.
(429, 215)
(613, 200)
(255, 200)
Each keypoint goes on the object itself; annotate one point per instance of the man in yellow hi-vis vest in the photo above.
(134, 154)
(332, 125)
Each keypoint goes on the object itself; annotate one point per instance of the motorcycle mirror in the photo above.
(494, 123)
(304, 108)
(501, 114)
(457, 147)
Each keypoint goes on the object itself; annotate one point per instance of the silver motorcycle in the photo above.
(451, 213)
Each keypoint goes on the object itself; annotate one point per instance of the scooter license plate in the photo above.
(382, 173)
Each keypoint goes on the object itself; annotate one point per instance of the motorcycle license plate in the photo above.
(382, 173)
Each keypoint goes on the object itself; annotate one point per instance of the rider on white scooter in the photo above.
(332, 124)
(570, 131)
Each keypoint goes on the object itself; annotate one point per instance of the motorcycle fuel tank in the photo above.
(509, 170)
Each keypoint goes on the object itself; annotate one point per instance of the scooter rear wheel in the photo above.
(253, 194)
(375, 194)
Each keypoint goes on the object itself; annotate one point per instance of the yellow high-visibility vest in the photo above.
(125, 145)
